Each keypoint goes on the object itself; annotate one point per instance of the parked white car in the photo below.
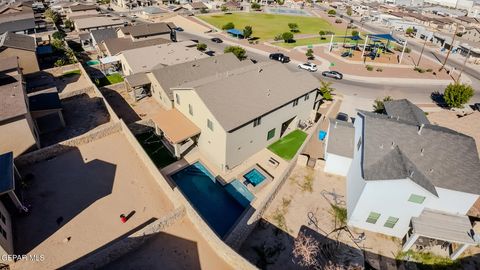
(308, 66)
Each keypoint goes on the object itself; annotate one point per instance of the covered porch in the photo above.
(46, 110)
(138, 86)
(178, 133)
(440, 233)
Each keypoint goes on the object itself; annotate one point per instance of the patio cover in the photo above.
(7, 180)
(352, 37)
(175, 126)
(235, 32)
(44, 100)
(443, 226)
(138, 79)
(109, 59)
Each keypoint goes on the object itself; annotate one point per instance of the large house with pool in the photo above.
(410, 179)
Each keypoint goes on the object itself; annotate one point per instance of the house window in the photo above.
(359, 143)
(3, 218)
(190, 109)
(257, 121)
(391, 221)
(373, 217)
(307, 97)
(295, 102)
(177, 97)
(210, 124)
(270, 134)
(3, 232)
(416, 199)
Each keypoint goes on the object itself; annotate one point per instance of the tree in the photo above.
(309, 53)
(58, 44)
(70, 54)
(238, 51)
(59, 35)
(379, 106)
(201, 47)
(247, 31)
(228, 26)
(326, 90)
(52, 16)
(332, 12)
(349, 11)
(287, 37)
(322, 33)
(60, 62)
(68, 24)
(293, 27)
(224, 9)
(255, 6)
(280, 2)
(306, 251)
(409, 31)
(355, 33)
(457, 94)
(204, 10)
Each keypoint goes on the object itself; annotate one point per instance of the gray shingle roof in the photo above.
(340, 139)
(404, 109)
(23, 42)
(117, 45)
(12, 97)
(19, 21)
(148, 29)
(100, 35)
(251, 91)
(176, 75)
(431, 157)
(81, 7)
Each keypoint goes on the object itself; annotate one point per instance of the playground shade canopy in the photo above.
(383, 36)
(235, 32)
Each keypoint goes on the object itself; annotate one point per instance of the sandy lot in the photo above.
(79, 195)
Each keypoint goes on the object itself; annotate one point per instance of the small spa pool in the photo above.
(93, 62)
(220, 206)
(254, 177)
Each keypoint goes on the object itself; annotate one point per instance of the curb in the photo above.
(399, 81)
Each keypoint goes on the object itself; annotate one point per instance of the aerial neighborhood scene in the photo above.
(240, 134)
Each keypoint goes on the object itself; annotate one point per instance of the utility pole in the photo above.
(450, 49)
(464, 63)
(421, 53)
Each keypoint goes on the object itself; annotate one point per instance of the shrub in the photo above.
(379, 69)
(399, 48)
(419, 70)
(379, 104)
(338, 21)
(457, 94)
(355, 33)
(332, 12)
(238, 51)
(204, 10)
(201, 47)
(278, 37)
(429, 70)
(255, 6)
(68, 24)
(228, 26)
(60, 62)
(309, 54)
(224, 9)
(369, 68)
(59, 35)
(293, 27)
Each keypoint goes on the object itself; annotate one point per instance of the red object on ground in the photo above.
(123, 218)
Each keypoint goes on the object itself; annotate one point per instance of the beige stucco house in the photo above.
(21, 46)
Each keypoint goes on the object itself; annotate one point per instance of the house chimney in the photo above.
(420, 129)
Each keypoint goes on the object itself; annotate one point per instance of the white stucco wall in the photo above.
(212, 144)
(355, 182)
(336, 164)
(159, 93)
(248, 140)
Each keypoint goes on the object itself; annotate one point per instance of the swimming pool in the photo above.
(93, 62)
(254, 177)
(220, 206)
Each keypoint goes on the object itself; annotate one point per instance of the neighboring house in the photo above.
(18, 132)
(81, 8)
(147, 58)
(472, 34)
(195, 6)
(114, 46)
(411, 179)
(93, 23)
(20, 21)
(150, 30)
(339, 147)
(21, 46)
(232, 5)
(242, 111)
(99, 35)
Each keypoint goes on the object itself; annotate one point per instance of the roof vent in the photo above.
(268, 92)
(411, 174)
(260, 70)
(421, 152)
(420, 129)
(381, 146)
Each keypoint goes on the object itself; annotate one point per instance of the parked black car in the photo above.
(216, 40)
(279, 57)
(342, 116)
(476, 106)
(333, 74)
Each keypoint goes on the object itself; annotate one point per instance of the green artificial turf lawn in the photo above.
(288, 146)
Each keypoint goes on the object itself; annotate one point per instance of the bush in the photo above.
(228, 26)
(201, 47)
(238, 51)
(59, 35)
(204, 10)
(355, 33)
(224, 9)
(429, 70)
(338, 21)
(255, 6)
(60, 62)
(58, 44)
(278, 37)
(332, 12)
(369, 68)
(309, 54)
(293, 27)
(419, 69)
(399, 48)
(287, 37)
(457, 94)
(379, 69)
(247, 31)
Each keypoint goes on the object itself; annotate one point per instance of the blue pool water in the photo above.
(255, 177)
(240, 192)
(220, 206)
(93, 62)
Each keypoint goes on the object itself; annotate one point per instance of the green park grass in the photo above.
(267, 26)
(288, 146)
